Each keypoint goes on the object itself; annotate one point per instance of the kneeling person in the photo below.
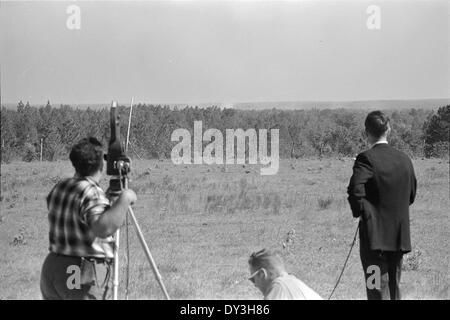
(270, 277)
(82, 222)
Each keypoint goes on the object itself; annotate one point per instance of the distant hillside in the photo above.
(427, 104)
(95, 106)
(360, 105)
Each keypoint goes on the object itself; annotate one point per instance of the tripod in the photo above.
(117, 184)
(118, 166)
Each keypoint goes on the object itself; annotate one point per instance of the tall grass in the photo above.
(202, 222)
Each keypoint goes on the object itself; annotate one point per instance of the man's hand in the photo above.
(129, 196)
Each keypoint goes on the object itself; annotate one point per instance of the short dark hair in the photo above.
(87, 156)
(270, 261)
(377, 123)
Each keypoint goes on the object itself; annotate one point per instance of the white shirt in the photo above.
(288, 287)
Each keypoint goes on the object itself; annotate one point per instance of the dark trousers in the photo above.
(389, 263)
(60, 276)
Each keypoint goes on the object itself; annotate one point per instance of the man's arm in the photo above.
(104, 223)
(362, 172)
(412, 195)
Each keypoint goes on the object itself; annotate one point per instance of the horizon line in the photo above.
(222, 102)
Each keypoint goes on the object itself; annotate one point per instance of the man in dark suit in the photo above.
(381, 189)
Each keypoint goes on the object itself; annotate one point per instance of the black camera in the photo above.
(117, 162)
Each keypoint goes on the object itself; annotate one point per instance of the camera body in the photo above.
(118, 164)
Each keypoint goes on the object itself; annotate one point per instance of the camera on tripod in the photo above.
(118, 164)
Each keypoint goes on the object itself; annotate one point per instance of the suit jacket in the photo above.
(381, 189)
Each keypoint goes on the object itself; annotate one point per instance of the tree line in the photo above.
(303, 133)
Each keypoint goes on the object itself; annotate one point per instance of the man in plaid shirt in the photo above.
(82, 223)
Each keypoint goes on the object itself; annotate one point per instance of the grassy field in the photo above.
(202, 223)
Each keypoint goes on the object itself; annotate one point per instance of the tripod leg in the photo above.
(147, 253)
(116, 266)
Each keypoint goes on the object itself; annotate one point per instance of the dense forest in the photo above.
(303, 133)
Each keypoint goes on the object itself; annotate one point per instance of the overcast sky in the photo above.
(186, 52)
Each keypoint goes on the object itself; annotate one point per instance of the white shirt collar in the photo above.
(378, 142)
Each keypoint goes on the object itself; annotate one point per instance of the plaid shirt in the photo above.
(72, 204)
